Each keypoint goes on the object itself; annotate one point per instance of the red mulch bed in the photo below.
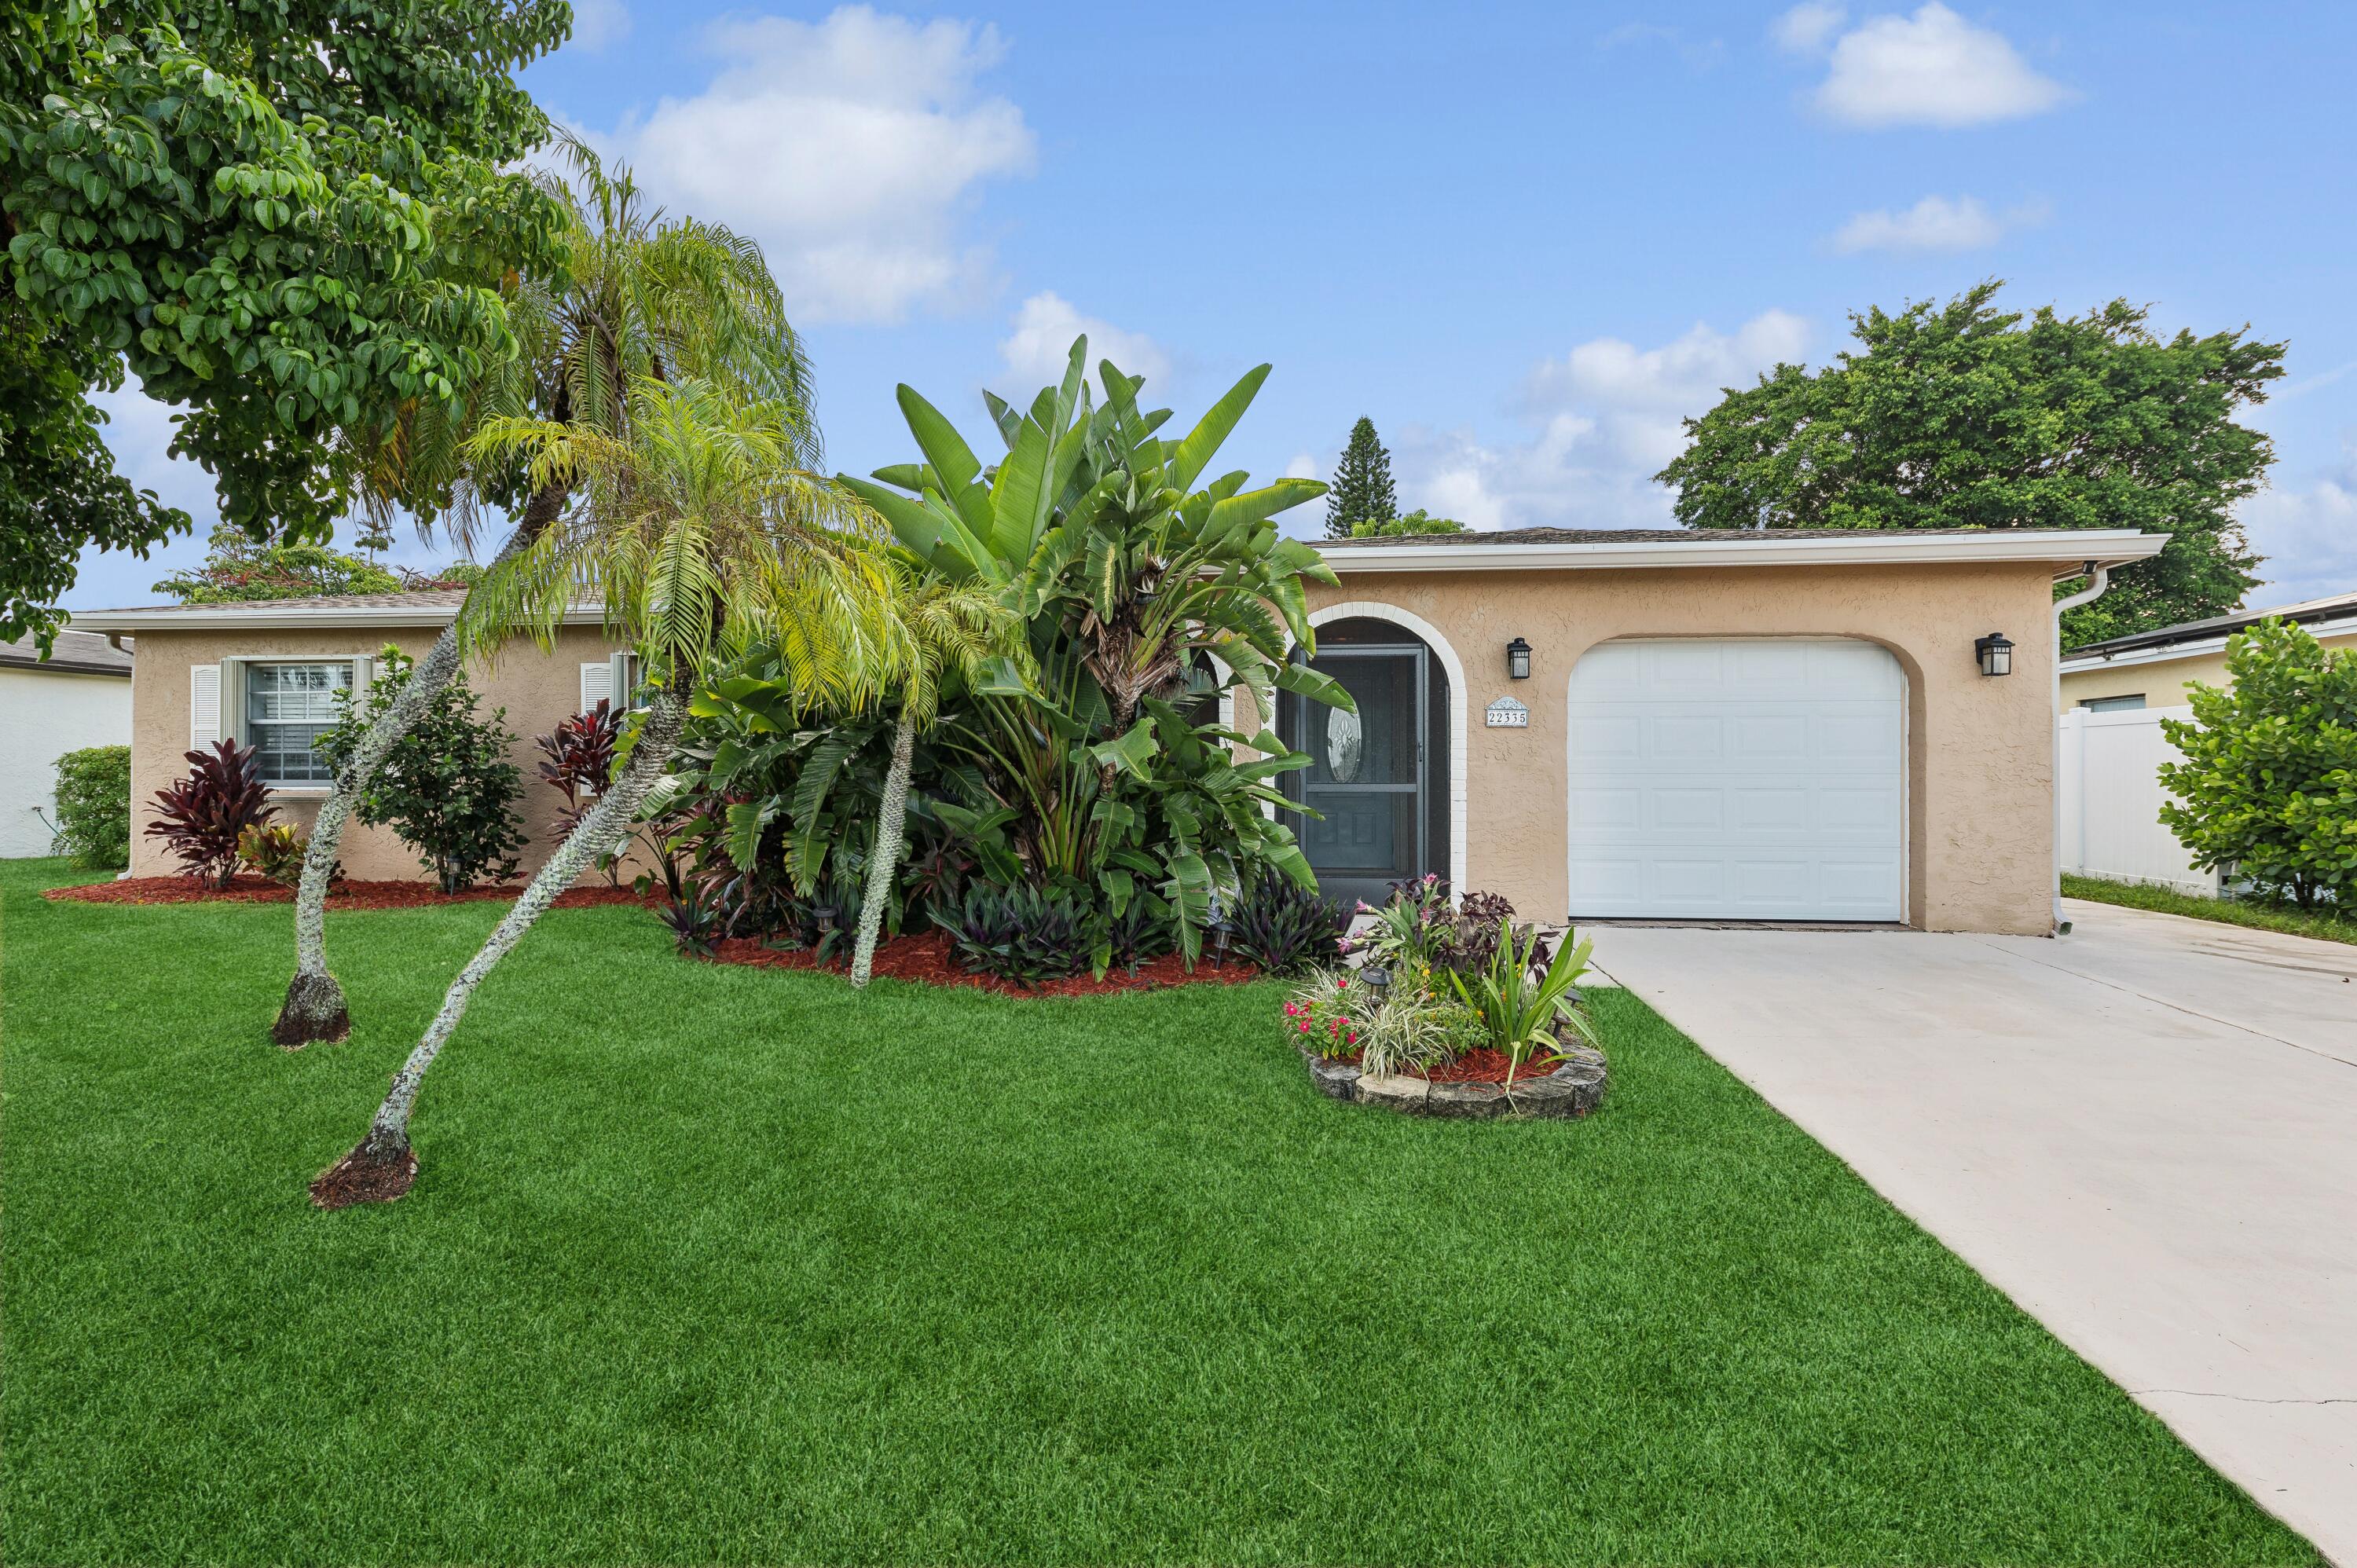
(340, 895)
(1479, 1065)
(931, 957)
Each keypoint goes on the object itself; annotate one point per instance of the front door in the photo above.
(1369, 773)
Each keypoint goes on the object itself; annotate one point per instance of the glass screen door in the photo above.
(1369, 771)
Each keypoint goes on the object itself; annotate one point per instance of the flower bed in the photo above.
(931, 957)
(340, 895)
(1453, 1011)
(1573, 1086)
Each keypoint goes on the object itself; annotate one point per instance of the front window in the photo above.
(2115, 704)
(288, 706)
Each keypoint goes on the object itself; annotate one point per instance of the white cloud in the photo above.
(1683, 375)
(1607, 417)
(849, 148)
(2309, 536)
(1931, 69)
(1934, 223)
(1804, 28)
(1041, 344)
(597, 23)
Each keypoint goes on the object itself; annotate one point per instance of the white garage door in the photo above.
(1746, 778)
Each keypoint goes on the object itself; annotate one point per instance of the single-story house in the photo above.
(1654, 724)
(2156, 668)
(79, 697)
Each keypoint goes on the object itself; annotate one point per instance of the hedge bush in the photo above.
(94, 807)
(2269, 781)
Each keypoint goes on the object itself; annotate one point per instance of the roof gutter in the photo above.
(2216, 642)
(2087, 596)
(2069, 551)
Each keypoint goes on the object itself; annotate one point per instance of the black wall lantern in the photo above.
(1518, 659)
(1994, 652)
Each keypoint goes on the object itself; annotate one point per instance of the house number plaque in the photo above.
(1506, 714)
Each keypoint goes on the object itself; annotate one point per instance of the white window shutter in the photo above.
(597, 683)
(204, 706)
(624, 680)
(364, 675)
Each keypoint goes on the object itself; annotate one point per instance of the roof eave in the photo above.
(262, 616)
(2069, 552)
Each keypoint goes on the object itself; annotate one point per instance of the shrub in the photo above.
(202, 816)
(1418, 929)
(1022, 934)
(1140, 932)
(94, 807)
(1523, 997)
(1285, 928)
(697, 918)
(448, 787)
(579, 763)
(580, 759)
(276, 851)
(2270, 781)
(1407, 1027)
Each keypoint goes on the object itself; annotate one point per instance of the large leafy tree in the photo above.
(703, 540)
(1363, 489)
(640, 298)
(1965, 415)
(287, 218)
(58, 489)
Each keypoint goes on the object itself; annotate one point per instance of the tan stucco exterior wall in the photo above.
(2164, 682)
(536, 689)
(1980, 749)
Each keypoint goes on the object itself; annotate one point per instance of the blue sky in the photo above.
(1524, 240)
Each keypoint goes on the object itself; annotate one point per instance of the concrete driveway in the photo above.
(2145, 1133)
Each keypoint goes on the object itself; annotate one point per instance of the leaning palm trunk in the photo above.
(382, 1166)
(315, 1009)
(885, 859)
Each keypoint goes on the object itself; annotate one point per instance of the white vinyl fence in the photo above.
(2110, 795)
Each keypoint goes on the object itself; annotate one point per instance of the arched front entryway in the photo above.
(1387, 780)
(1760, 779)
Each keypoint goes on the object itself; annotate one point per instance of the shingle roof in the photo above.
(429, 598)
(74, 653)
(2331, 607)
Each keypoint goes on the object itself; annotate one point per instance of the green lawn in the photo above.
(724, 1265)
(2226, 911)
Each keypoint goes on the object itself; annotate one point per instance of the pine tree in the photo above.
(1362, 484)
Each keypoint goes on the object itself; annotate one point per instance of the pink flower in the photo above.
(1335, 1027)
(1342, 984)
(1351, 1039)
(1304, 1025)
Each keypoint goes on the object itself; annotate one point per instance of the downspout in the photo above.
(2086, 596)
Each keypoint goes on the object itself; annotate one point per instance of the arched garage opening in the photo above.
(1757, 779)
(1384, 779)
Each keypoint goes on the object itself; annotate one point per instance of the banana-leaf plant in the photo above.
(1126, 574)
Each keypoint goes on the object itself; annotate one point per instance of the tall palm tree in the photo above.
(702, 539)
(641, 297)
(951, 632)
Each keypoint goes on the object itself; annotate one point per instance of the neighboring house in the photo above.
(2115, 697)
(1765, 724)
(2155, 668)
(79, 697)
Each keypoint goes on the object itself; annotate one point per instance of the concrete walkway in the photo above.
(2145, 1133)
